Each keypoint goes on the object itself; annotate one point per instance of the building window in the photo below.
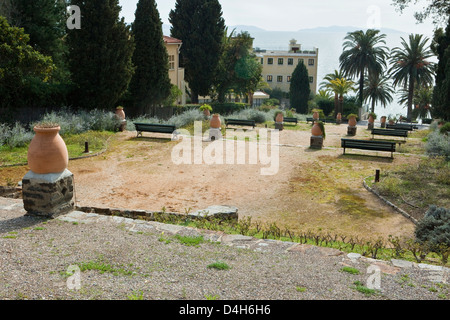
(280, 61)
(311, 79)
(301, 61)
(269, 60)
(311, 62)
(172, 62)
(269, 78)
(280, 79)
(290, 61)
(288, 78)
(262, 60)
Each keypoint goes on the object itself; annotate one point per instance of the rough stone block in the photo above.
(316, 142)
(279, 126)
(48, 195)
(351, 130)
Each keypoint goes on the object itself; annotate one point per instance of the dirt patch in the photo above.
(313, 189)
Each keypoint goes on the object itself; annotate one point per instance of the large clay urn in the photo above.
(206, 112)
(120, 113)
(47, 152)
(339, 117)
(215, 121)
(316, 115)
(352, 121)
(371, 119)
(315, 130)
(279, 118)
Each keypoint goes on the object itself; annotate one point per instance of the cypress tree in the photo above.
(441, 92)
(100, 55)
(199, 24)
(150, 84)
(299, 90)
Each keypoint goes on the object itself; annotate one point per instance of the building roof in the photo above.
(170, 40)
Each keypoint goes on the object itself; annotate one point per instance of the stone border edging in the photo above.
(403, 212)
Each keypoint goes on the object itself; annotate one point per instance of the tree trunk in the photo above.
(361, 88)
(410, 98)
(373, 105)
(336, 104)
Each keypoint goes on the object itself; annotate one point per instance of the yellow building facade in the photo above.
(278, 66)
(176, 74)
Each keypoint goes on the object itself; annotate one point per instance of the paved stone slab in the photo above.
(401, 263)
(219, 211)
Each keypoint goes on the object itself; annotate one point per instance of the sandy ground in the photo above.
(312, 189)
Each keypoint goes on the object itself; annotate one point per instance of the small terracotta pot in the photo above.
(206, 112)
(371, 120)
(315, 130)
(47, 152)
(120, 114)
(279, 118)
(215, 121)
(352, 121)
(339, 116)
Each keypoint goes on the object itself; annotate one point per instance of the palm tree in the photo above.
(326, 85)
(410, 66)
(377, 89)
(341, 87)
(422, 100)
(363, 52)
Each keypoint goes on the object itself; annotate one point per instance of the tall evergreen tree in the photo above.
(441, 93)
(100, 55)
(300, 90)
(45, 22)
(150, 84)
(199, 24)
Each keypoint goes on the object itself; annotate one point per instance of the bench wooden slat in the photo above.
(369, 145)
(390, 132)
(294, 120)
(154, 127)
(400, 126)
(240, 122)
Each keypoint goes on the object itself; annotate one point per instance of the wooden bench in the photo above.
(387, 146)
(390, 132)
(293, 120)
(240, 122)
(401, 126)
(154, 127)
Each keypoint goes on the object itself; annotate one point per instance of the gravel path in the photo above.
(123, 259)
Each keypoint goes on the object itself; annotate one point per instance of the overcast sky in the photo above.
(292, 15)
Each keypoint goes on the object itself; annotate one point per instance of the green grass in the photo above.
(103, 267)
(363, 289)
(190, 241)
(219, 266)
(136, 295)
(350, 270)
(75, 146)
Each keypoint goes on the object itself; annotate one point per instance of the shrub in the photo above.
(14, 137)
(186, 118)
(434, 229)
(228, 108)
(438, 145)
(445, 128)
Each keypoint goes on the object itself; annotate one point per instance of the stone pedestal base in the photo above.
(351, 130)
(338, 121)
(123, 125)
(370, 126)
(279, 126)
(316, 142)
(215, 134)
(48, 195)
(383, 124)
